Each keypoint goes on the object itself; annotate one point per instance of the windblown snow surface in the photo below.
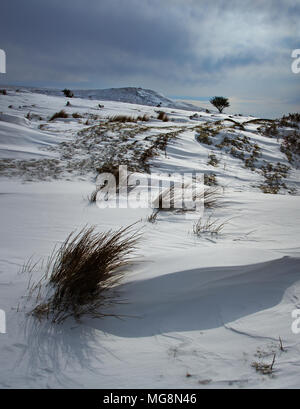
(196, 312)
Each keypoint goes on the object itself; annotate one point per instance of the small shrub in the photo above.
(122, 118)
(203, 137)
(76, 115)
(250, 163)
(210, 180)
(68, 93)
(60, 114)
(3, 92)
(144, 118)
(213, 160)
(162, 116)
(237, 154)
(269, 189)
(269, 131)
(291, 145)
(292, 117)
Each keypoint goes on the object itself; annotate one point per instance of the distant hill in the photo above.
(129, 94)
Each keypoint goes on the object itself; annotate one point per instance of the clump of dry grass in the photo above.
(81, 272)
(172, 198)
(213, 160)
(61, 114)
(162, 116)
(212, 197)
(210, 179)
(210, 226)
(92, 198)
(122, 118)
(264, 369)
(143, 118)
(76, 115)
(153, 217)
(127, 118)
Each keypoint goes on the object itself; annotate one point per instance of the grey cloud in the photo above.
(171, 45)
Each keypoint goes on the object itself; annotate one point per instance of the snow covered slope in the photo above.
(198, 311)
(130, 95)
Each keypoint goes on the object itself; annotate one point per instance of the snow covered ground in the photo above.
(197, 311)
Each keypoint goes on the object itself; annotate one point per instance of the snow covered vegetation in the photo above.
(135, 293)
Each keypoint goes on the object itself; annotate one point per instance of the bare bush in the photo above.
(68, 93)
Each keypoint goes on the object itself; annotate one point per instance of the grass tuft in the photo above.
(264, 369)
(153, 217)
(60, 114)
(82, 271)
(162, 116)
(210, 226)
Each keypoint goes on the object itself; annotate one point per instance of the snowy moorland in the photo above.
(206, 310)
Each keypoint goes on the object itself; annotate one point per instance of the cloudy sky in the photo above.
(189, 49)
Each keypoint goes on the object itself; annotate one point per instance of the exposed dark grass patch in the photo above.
(291, 146)
(273, 175)
(82, 272)
(264, 369)
(210, 179)
(60, 114)
(76, 115)
(213, 160)
(127, 118)
(162, 116)
(122, 118)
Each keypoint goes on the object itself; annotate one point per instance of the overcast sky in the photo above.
(184, 48)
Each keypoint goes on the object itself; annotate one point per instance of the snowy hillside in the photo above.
(130, 95)
(205, 310)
